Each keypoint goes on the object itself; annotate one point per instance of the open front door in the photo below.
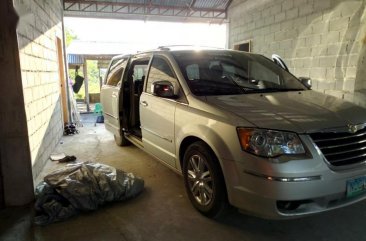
(110, 95)
(158, 114)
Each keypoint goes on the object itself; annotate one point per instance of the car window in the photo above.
(211, 77)
(258, 71)
(230, 73)
(136, 74)
(159, 70)
(193, 71)
(139, 71)
(115, 71)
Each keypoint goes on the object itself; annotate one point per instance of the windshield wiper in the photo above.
(268, 90)
(263, 90)
(293, 89)
(246, 88)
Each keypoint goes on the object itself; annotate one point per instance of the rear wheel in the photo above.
(121, 140)
(204, 180)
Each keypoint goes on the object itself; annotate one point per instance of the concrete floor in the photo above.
(163, 211)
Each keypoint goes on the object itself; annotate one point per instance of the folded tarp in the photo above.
(82, 187)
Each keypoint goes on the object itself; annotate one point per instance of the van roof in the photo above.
(179, 48)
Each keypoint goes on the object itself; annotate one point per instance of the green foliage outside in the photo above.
(69, 36)
(93, 77)
(93, 72)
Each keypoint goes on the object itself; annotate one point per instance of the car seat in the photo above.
(216, 72)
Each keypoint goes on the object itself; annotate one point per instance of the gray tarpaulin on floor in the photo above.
(82, 187)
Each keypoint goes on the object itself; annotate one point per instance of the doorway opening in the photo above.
(243, 46)
(91, 52)
(86, 73)
(136, 79)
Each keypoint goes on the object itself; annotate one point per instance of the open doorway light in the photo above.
(91, 43)
(139, 35)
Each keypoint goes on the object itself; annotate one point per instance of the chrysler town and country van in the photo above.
(242, 131)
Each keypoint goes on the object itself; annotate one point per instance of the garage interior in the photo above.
(324, 40)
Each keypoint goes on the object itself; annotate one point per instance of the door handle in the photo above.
(114, 95)
(144, 103)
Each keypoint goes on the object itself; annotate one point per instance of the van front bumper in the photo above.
(286, 196)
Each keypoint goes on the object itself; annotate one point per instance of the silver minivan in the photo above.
(242, 131)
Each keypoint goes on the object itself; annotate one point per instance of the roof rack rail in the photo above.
(179, 47)
(171, 47)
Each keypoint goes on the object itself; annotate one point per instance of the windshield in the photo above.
(232, 73)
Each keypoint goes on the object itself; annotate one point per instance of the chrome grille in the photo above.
(342, 148)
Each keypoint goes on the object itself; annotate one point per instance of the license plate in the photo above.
(356, 186)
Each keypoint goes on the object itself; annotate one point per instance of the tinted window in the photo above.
(139, 70)
(259, 72)
(115, 71)
(228, 73)
(160, 70)
(193, 71)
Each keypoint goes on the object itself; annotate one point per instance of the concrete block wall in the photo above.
(39, 26)
(321, 39)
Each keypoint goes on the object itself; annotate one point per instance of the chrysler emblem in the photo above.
(352, 128)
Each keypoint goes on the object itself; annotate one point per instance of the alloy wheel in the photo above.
(200, 180)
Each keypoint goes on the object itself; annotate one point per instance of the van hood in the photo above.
(298, 111)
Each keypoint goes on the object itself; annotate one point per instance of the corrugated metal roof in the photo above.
(204, 4)
(75, 59)
(211, 4)
(176, 3)
(142, 9)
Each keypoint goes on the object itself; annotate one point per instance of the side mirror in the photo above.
(165, 89)
(306, 81)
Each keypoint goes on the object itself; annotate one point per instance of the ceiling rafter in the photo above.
(86, 7)
(118, 8)
(150, 8)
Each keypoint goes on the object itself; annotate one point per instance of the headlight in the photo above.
(269, 143)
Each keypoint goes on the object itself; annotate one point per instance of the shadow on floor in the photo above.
(16, 224)
(162, 211)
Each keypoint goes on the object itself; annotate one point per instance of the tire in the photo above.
(121, 140)
(204, 181)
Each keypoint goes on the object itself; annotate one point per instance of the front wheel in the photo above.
(204, 180)
(121, 140)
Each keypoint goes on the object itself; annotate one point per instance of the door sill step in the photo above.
(137, 141)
